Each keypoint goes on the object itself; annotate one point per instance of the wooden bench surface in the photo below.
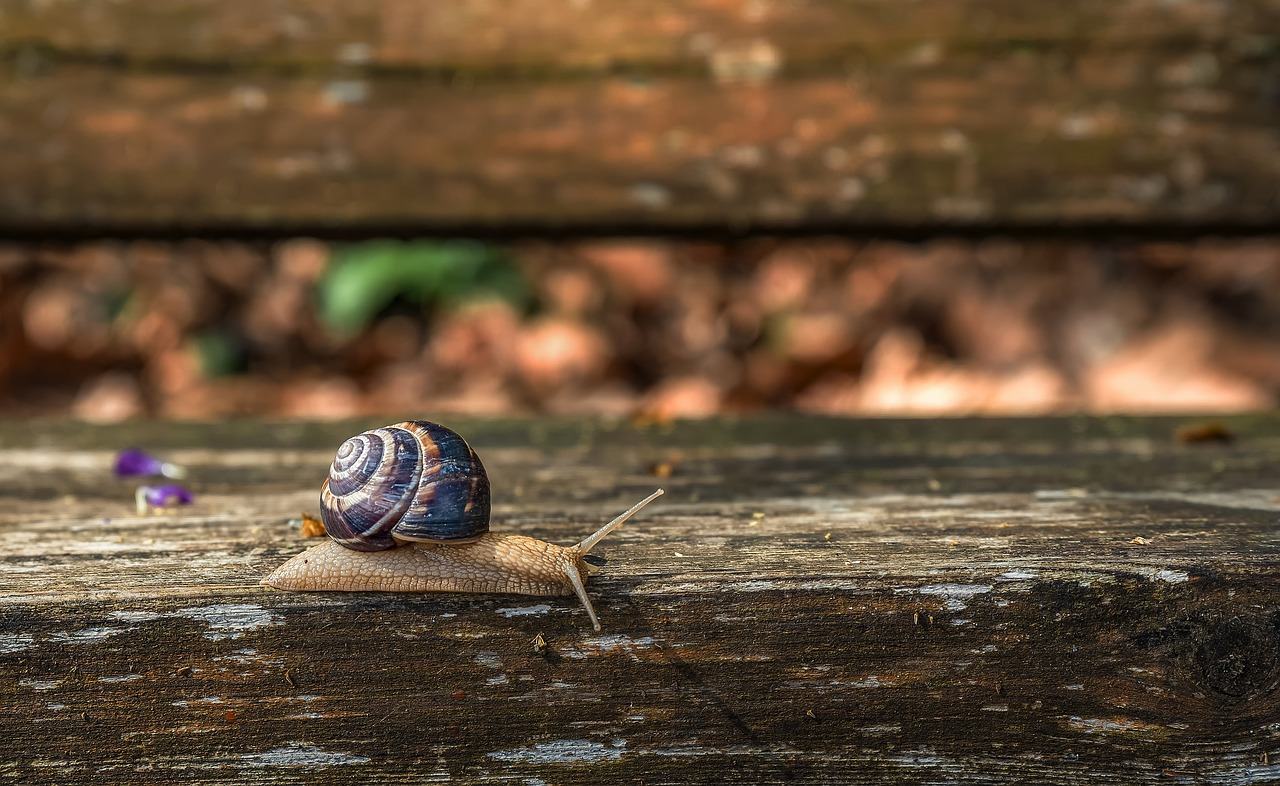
(1033, 601)
(312, 114)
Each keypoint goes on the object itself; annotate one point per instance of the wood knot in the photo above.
(1238, 657)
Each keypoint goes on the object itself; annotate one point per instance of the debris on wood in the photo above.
(1213, 431)
(312, 527)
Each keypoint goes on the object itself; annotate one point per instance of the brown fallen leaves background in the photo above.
(656, 329)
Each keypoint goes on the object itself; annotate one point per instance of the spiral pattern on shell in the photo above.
(411, 481)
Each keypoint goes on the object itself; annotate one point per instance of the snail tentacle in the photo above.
(588, 543)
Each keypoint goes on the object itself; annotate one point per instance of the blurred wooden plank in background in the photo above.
(656, 115)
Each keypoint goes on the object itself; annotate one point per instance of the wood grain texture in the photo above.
(680, 113)
(1002, 601)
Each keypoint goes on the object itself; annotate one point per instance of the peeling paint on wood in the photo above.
(1071, 600)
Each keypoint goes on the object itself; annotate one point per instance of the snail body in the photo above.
(407, 510)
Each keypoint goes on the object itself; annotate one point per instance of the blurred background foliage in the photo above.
(642, 328)
(365, 279)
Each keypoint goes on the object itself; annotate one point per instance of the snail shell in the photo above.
(414, 481)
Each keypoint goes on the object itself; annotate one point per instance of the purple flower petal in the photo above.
(162, 496)
(132, 462)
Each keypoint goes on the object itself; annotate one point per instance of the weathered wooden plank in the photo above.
(1019, 141)
(814, 600)
(724, 114)
(480, 37)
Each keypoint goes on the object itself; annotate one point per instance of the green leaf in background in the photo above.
(364, 278)
(219, 355)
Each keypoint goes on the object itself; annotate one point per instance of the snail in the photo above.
(406, 508)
